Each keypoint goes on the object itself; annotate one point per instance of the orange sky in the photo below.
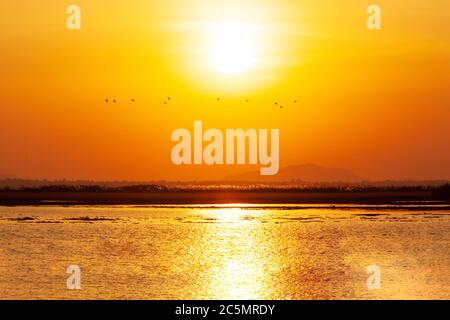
(374, 102)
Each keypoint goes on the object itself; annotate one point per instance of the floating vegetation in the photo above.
(20, 219)
(87, 218)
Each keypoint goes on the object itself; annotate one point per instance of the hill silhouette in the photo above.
(301, 173)
(7, 176)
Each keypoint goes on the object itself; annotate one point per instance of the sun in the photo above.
(233, 47)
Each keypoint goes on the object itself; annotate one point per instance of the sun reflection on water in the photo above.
(230, 215)
(235, 257)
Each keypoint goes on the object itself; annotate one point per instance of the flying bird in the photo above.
(132, 100)
(107, 100)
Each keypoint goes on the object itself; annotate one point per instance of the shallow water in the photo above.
(225, 252)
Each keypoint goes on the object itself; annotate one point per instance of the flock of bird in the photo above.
(115, 101)
(167, 100)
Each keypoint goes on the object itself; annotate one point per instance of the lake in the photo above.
(225, 252)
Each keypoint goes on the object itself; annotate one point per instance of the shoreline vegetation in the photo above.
(216, 193)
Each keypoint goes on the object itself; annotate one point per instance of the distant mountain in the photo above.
(6, 176)
(300, 173)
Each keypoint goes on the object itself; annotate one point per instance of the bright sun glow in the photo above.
(233, 48)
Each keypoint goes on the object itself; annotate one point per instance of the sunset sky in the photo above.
(374, 102)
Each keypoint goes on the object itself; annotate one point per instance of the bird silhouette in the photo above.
(246, 100)
(132, 100)
(114, 101)
(168, 98)
(218, 99)
(295, 101)
(107, 100)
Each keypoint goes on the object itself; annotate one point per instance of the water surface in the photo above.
(225, 252)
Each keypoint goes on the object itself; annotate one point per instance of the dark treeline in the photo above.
(441, 190)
